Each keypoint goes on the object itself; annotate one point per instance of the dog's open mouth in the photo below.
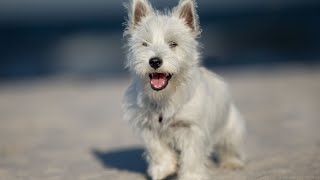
(159, 81)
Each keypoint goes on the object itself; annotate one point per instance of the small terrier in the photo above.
(184, 112)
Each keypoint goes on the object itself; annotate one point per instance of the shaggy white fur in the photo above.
(184, 112)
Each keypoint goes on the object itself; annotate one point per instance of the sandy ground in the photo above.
(66, 128)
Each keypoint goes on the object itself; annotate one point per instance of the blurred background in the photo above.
(41, 38)
(62, 79)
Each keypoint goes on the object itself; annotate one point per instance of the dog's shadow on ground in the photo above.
(129, 159)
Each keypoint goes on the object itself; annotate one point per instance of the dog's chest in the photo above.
(172, 118)
(157, 122)
(167, 126)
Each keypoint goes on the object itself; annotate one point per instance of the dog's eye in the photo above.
(172, 44)
(145, 44)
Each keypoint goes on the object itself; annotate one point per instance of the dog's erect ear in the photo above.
(186, 10)
(139, 10)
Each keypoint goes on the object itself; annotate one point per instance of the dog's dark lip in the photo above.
(167, 79)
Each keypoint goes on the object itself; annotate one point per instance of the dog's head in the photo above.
(162, 47)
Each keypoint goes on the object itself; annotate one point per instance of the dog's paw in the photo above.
(232, 164)
(158, 172)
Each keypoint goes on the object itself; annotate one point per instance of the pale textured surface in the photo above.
(72, 129)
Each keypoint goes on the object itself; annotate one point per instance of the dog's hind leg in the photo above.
(230, 146)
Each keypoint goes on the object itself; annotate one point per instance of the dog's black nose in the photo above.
(155, 62)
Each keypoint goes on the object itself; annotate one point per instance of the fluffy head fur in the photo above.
(170, 36)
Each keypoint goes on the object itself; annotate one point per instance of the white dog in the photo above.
(183, 111)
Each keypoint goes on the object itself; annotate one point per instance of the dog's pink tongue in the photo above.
(158, 80)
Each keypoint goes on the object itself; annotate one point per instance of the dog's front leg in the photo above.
(161, 158)
(194, 146)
